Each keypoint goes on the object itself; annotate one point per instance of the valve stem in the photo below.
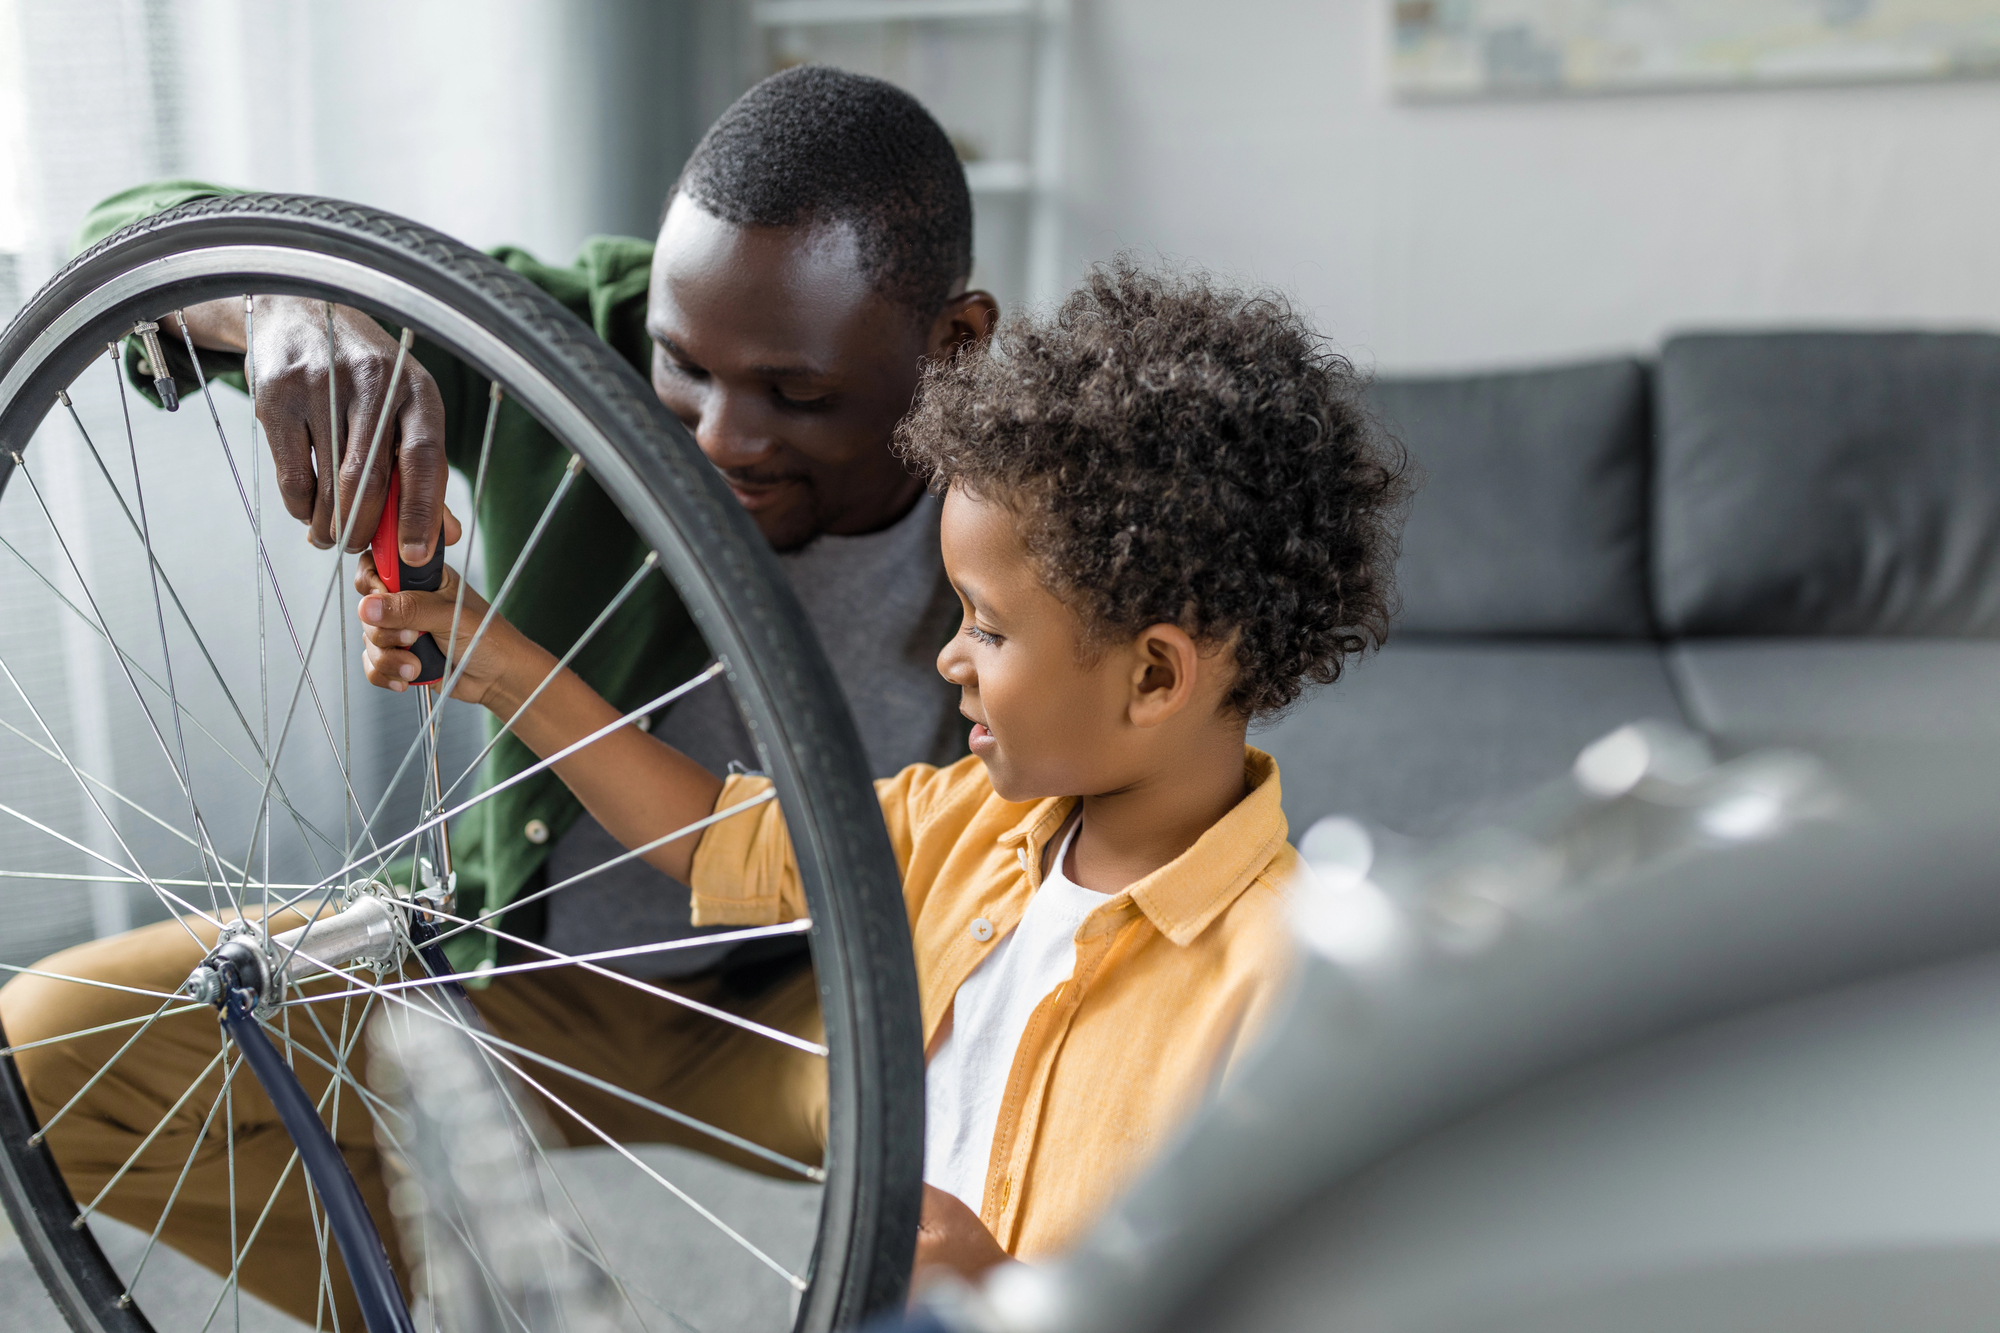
(163, 379)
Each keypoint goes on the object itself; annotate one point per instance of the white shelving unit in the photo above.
(1034, 178)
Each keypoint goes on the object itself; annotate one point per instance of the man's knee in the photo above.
(51, 1020)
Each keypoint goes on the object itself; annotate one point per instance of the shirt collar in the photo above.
(1183, 896)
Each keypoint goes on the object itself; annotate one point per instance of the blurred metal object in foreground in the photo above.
(1675, 1043)
(485, 1252)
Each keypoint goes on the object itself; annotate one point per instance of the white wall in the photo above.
(1261, 138)
(536, 122)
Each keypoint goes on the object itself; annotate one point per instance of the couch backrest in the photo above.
(1828, 483)
(1531, 519)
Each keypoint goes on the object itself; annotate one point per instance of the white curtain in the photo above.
(532, 121)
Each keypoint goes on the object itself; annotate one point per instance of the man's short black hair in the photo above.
(814, 146)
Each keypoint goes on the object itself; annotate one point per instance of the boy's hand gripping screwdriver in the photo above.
(398, 576)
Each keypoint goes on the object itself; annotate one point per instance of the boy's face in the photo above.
(773, 348)
(1044, 723)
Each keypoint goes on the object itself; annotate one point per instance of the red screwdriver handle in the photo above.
(397, 575)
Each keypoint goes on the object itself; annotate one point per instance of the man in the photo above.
(813, 256)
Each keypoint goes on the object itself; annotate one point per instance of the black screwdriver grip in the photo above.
(427, 577)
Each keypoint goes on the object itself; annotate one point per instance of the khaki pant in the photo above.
(762, 1090)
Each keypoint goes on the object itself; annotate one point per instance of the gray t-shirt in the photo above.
(882, 609)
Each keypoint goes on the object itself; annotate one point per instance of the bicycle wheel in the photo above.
(264, 751)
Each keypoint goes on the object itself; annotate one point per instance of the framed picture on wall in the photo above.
(1497, 48)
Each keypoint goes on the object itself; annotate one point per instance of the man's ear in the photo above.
(966, 319)
(1164, 672)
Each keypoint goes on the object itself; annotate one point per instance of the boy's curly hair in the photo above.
(1179, 452)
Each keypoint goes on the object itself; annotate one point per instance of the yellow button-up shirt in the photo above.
(1173, 976)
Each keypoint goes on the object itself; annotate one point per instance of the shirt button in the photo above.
(536, 832)
(982, 929)
(1022, 854)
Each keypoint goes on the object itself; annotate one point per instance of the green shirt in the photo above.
(585, 556)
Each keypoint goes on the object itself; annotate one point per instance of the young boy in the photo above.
(1165, 513)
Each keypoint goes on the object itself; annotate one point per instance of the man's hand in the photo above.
(951, 1237)
(292, 370)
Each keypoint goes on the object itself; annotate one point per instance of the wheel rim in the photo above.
(553, 367)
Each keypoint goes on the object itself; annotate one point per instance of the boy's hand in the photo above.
(394, 621)
(950, 1236)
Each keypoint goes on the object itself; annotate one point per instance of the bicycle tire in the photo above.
(725, 573)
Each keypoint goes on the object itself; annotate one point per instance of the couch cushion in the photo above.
(1415, 738)
(1531, 518)
(1828, 483)
(1926, 690)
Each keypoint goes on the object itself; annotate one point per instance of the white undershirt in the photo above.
(967, 1078)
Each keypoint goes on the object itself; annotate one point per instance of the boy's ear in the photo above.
(1165, 669)
(966, 319)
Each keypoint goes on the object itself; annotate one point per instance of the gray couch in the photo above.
(1766, 537)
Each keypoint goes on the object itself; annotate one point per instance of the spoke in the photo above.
(630, 854)
(160, 617)
(798, 1283)
(232, 1282)
(229, 1141)
(778, 1035)
(187, 620)
(443, 1014)
(339, 558)
(455, 670)
(573, 960)
(471, 532)
(360, 1089)
(346, 1012)
(119, 879)
(168, 996)
(440, 857)
(661, 1306)
(173, 1196)
(319, 622)
(83, 1214)
(115, 795)
(396, 1144)
(89, 795)
(672, 997)
(322, 1230)
(722, 1015)
(152, 724)
(49, 1124)
(595, 1253)
(305, 825)
(682, 1118)
(610, 609)
(381, 855)
(253, 513)
(18, 1047)
(257, 550)
(569, 476)
(163, 894)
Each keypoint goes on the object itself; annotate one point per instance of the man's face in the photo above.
(791, 371)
